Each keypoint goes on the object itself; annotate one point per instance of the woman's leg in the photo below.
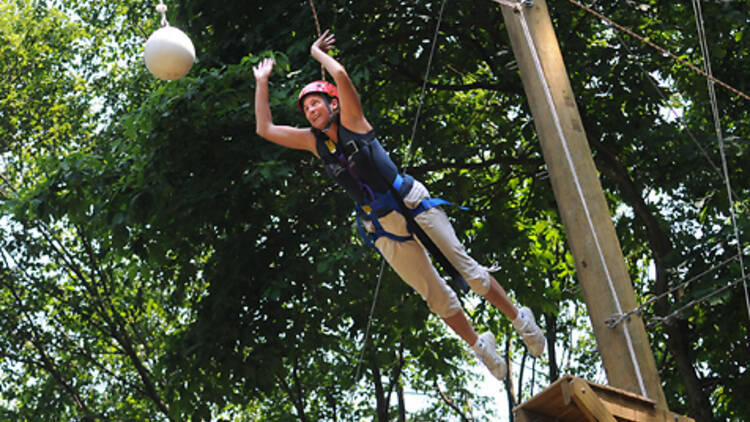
(461, 326)
(483, 345)
(411, 262)
(498, 297)
(436, 224)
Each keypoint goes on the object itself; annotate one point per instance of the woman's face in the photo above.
(316, 112)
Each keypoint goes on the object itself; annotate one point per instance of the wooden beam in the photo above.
(573, 399)
(588, 402)
(600, 265)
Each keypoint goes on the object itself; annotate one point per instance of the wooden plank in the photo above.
(523, 416)
(563, 401)
(588, 402)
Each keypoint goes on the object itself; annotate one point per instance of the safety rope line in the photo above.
(613, 321)
(666, 319)
(579, 189)
(660, 49)
(719, 136)
(317, 28)
(424, 86)
(382, 264)
(369, 319)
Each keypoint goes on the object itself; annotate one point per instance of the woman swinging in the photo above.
(341, 136)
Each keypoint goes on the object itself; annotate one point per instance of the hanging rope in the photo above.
(382, 264)
(660, 49)
(369, 319)
(317, 28)
(574, 173)
(719, 136)
(424, 86)
(162, 9)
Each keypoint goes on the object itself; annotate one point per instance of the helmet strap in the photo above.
(330, 114)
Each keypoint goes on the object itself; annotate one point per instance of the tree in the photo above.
(161, 262)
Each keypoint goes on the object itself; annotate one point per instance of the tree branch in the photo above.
(290, 394)
(447, 400)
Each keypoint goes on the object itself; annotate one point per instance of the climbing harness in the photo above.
(360, 164)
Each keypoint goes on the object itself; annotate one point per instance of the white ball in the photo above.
(169, 53)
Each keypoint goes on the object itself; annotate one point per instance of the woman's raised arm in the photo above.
(287, 136)
(352, 116)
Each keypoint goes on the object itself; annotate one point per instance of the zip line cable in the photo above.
(660, 49)
(613, 321)
(717, 125)
(666, 319)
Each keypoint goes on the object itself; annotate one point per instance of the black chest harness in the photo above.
(360, 164)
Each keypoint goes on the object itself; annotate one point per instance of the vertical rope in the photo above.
(579, 189)
(421, 99)
(720, 138)
(317, 28)
(162, 8)
(369, 319)
(424, 86)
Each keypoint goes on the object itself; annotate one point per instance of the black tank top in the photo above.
(359, 163)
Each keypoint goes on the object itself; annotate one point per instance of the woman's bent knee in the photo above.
(480, 284)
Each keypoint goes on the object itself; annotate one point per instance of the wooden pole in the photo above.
(600, 265)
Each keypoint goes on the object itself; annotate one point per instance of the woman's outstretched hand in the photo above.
(323, 44)
(263, 69)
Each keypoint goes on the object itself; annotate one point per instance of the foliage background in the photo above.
(162, 262)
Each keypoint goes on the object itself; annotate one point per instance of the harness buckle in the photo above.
(355, 148)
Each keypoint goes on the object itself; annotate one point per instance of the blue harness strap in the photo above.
(386, 202)
(376, 195)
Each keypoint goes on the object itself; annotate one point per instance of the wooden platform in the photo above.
(572, 399)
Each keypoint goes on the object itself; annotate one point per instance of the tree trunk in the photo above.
(401, 402)
(380, 401)
(512, 401)
(295, 393)
(551, 334)
(698, 402)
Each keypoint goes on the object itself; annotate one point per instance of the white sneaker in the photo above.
(485, 350)
(530, 332)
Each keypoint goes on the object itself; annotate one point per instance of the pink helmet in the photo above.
(317, 87)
